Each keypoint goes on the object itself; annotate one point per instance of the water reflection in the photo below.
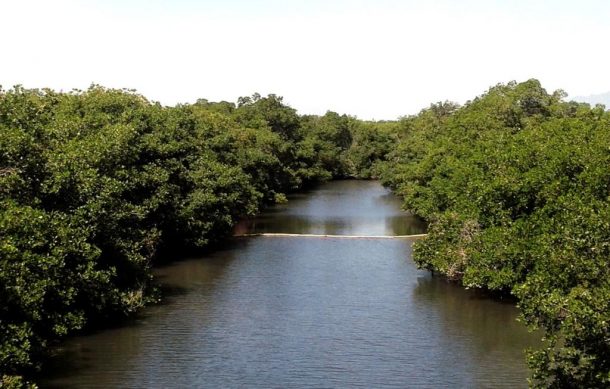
(487, 326)
(294, 312)
(102, 359)
(338, 209)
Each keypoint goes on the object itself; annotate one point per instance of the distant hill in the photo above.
(602, 98)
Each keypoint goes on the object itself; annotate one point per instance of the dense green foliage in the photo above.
(94, 183)
(516, 187)
(371, 144)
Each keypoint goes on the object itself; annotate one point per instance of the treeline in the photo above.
(516, 187)
(93, 184)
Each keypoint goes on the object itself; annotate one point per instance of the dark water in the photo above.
(306, 312)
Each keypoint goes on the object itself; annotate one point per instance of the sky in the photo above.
(374, 59)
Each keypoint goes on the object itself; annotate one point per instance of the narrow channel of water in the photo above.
(304, 312)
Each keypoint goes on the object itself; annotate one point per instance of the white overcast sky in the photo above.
(373, 59)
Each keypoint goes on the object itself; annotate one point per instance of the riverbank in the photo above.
(93, 184)
(515, 185)
(295, 311)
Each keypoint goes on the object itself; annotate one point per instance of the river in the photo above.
(279, 312)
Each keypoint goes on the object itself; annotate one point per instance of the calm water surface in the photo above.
(307, 312)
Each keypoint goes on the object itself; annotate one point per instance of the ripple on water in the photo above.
(294, 312)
